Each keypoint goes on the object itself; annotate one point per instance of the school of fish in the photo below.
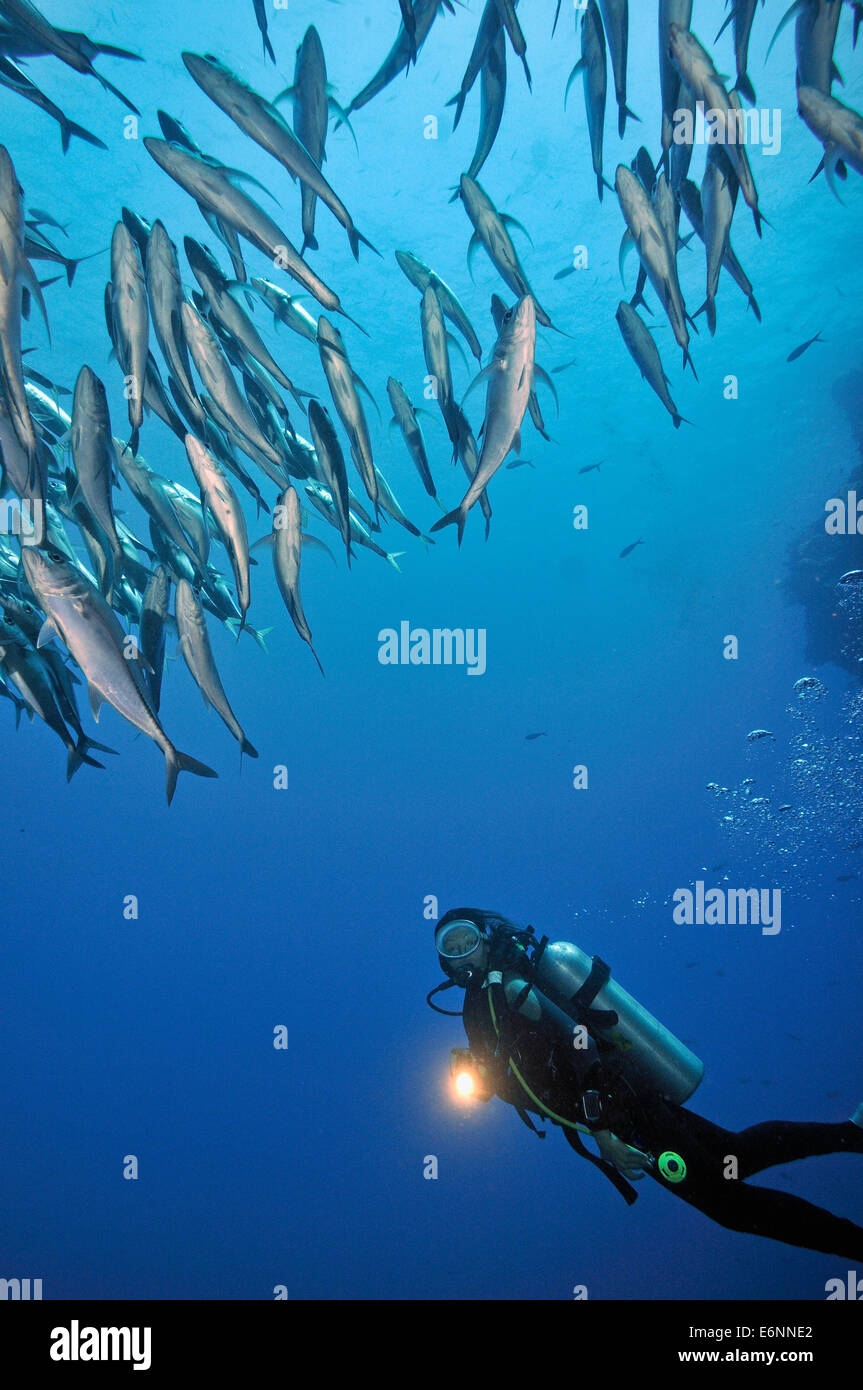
(85, 600)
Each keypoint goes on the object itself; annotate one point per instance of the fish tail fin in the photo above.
(760, 220)
(247, 748)
(745, 88)
(680, 420)
(753, 305)
(310, 243)
(458, 102)
(687, 358)
(78, 754)
(259, 634)
(346, 315)
(600, 185)
(392, 557)
(86, 744)
(457, 517)
(318, 660)
(177, 762)
(708, 307)
(115, 91)
(357, 237)
(68, 129)
(622, 112)
(268, 48)
(132, 445)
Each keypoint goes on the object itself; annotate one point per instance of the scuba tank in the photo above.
(650, 1055)
(568, 987)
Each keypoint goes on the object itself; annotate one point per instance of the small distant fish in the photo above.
(846, 878)
(567, 270)
(522, 463)
(530, 737)
(755, 734)
(628, 549)
(591, 467)
(691, 964)
(564, 366)
(799, 351)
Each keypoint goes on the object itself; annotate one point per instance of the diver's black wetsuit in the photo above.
(559, 1076)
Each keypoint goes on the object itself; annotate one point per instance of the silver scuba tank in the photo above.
(650, 1055)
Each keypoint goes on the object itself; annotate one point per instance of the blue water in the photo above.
(305, 907)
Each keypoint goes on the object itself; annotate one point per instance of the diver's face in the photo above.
(472, 968)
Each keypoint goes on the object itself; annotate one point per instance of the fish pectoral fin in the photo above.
(31, 282)
(47, 633)
(473, 245)
(627, 244)
(539, 374)
(485, 375)
(97, 699)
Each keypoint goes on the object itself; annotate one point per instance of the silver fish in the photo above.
(646, 234)
(198, 655)
(423, 277)
(645, 354)
(260, 120)
(93, 456)
(15, 273)
(211, 186)
(131, 321)
(404, 416)
(838, 127)
(78, 613)
(510, 382)
(151, 631)
(165, 294)
(615, 15)
(592, 66)
(219, 380)
(340, 379)
(696, 69)
(218, 495)
(287, 545)
(690, 201)
(332, 468)
(490, 232)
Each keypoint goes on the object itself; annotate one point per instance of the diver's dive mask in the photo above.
(462, 950)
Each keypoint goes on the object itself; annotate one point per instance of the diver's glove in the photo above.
(628, 1161)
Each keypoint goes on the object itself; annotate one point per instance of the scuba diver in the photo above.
(552, 1034)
